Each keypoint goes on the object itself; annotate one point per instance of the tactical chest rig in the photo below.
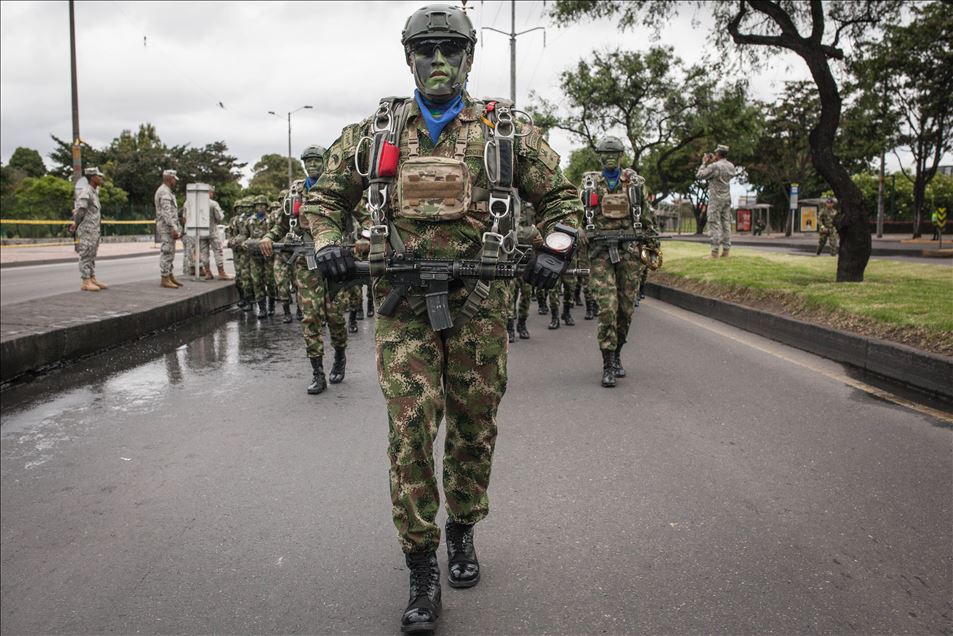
(614, 205)
(383, 171)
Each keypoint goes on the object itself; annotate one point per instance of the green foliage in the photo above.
(44, 197)
(583, 160)
(271, 174)
(898, 194)
(27, 161)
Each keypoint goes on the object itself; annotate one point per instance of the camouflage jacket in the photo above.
(167, 210)
(215, 211)
(536, 175)
(718, 174)
(87, 214)
(235, 231)
(825, 218)
(613, 212)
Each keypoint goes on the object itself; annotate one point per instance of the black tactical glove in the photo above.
(335, 262)
(544, 270)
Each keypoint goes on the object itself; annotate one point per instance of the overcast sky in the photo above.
(171, 63)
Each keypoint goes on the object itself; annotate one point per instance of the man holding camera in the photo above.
(718, 171)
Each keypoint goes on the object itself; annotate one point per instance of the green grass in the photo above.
(893, 294)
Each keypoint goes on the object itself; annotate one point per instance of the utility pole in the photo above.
(271, 112)
(77, 149)
(513, 35)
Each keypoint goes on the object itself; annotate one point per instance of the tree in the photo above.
(812, 30)
(46, 197)
(27, 161)
(914, 66)
(644, 96)
(271, 174)
(62, 157)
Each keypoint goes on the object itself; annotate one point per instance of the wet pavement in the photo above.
(187, 484)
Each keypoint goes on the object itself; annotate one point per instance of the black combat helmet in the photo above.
(438, 21)
(313, 151)
(610, 144)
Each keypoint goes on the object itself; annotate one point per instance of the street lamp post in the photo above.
(271, 112)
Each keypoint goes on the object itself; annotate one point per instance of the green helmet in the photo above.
(261, 199)
(313, 151)
(438, 21)
(610, 144)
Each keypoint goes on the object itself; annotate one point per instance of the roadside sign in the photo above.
(941, 218)
(794, 193)
(808, 218)
(743, 220)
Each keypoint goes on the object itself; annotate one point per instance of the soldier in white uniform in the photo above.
(167, 223)
(718, 171)
(86, 222)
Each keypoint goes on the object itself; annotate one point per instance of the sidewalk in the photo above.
(19, 255)
(65, 327)
(889, 245)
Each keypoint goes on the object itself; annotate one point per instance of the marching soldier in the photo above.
(616, 207)
(440, 353)
(86, 224)
(167, 223)
(825, 228)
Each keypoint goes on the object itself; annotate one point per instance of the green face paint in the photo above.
(437, 65)
(314, 166)
(610, 160)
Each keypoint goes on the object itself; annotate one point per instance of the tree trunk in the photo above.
(852, 219)
(919, 195)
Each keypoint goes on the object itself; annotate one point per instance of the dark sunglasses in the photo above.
(449, 48)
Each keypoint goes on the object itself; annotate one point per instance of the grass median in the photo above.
(910, 303)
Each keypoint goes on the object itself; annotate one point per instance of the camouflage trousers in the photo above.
(615, 288)
(353, 298)
(167, 249)
(564, 287)
(188, 253)
(87, 246)
(583, 282)
(284, 277)
(245, 276)
(825, 234)
(517, 304)
(426, 376)
(238, 260)
(262, 277)
(316, 310)
(719, 223)
(215, 244)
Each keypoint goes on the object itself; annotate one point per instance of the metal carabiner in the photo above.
(504, 124)
(493, 174)
(529, 119)
(384, 115)
(509, 243)
(357, 153)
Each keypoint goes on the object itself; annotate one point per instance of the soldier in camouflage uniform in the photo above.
(440, 211)
(262, 276)
(234, 239)
(284, 272)
(615, 286)
(86, 224)
(313, 300)
(564, 289)
(718, 171)
(520, 291)
(825, 228)
(167, 223)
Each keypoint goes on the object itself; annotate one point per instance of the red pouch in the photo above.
(593, 200)
(297, 207)
(387, 164)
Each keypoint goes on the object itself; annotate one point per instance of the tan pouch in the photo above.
(615, 206)
(433, 189)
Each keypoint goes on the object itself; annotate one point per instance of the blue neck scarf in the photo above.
(612, 177)
(446, 113)
(309, 182)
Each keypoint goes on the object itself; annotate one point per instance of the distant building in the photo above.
(946, 170)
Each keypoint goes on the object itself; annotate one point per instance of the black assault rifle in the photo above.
(614, 239)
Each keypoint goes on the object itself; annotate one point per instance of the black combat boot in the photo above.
(510, 330)
(543, 304)
(577, 299)
(370, 305)
(424, 605)
(642, 289)
(608, 367)
(318, 383)
(360, 312)
(554, 321)
(271, 306)
(337, 368)
(567, 317)
(262, 310)
(352, 321)
(462, 565)
(298, 315)
(521, 329)
(617, 359)
(590, 310)
(286, 310)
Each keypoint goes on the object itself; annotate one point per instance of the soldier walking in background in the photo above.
(213, 240)
(256, 227)
(825, 227)
(234, 238)
(86, 224)
(167, 223)
(718, 171)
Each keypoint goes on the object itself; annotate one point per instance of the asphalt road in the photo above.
(729, 485)
(30, 282)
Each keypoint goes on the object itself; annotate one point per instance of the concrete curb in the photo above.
(926, 372)
(38, 335)
(56, 261)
